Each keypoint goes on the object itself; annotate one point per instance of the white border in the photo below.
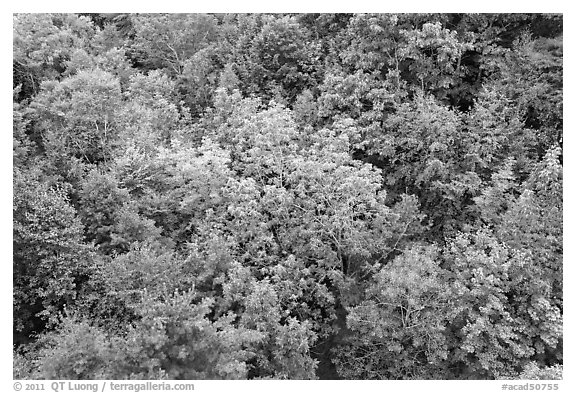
(299, 6)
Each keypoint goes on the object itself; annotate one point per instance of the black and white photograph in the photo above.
(287, 196)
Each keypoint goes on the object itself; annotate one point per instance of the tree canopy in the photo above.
(288, 196)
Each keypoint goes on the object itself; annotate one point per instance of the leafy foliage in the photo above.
(400, 326)
(282, 196)
(76, 117)
(168, 40)
(50, 260)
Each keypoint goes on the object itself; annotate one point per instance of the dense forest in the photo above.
(287, 196)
